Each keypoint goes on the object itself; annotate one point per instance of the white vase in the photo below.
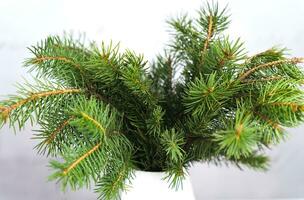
(150, 186)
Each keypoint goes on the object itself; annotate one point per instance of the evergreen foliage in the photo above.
(105, 113)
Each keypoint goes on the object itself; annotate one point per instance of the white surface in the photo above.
(151, 186)
(140, 25)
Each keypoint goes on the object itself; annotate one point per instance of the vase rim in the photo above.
(139, 170)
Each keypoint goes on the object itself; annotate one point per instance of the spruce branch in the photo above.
(225, 53)
(275, 78)
(134, 78)
(115, 180)
(212, 21)
(104, 112)
(105, 64)
(204, 96)
(155, 122)
(40, 60)
(173, 143)
(76, 162)
(6, 110)
(209, 34)
(58, 130)
(65, 52)
(76, 166)
(271, 54)
(54, 134)
(254, 161)
(175, 175)
(241, 136)
(87, 161)
(273, 124)
(94, 117)
(294, 106)
(270, 64)
(34, 99)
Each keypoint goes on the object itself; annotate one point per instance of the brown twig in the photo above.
(209, 35)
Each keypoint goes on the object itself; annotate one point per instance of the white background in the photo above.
(140, 25)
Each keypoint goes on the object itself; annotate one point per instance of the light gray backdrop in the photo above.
(140, 25)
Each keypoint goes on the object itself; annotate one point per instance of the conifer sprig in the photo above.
(104, 113)
(35, 100)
